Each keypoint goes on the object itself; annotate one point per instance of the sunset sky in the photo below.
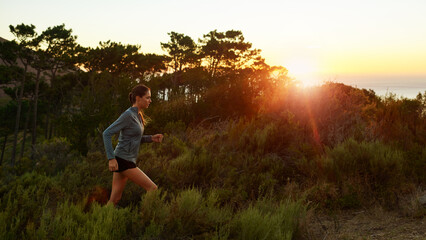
(315, 40)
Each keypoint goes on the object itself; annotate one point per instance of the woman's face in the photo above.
(143, 102)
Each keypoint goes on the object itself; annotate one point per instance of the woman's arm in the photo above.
(152, 138)
(146, 139)
(114, 128)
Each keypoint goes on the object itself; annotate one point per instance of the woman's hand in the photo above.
(157, 138)
(113, 165)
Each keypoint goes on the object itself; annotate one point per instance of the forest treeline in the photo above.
(66, 83)
(246, 151)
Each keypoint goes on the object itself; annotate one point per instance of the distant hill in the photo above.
(30, 69)
(2, 94)
(2, 40)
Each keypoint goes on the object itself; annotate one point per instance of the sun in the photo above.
(303, 70)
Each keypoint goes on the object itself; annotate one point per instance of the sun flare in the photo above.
(303, 70)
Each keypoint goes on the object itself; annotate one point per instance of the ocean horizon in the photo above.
(402, 86)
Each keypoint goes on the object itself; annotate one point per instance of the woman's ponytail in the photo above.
(131, 98)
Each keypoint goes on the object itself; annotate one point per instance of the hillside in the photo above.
(247, 152)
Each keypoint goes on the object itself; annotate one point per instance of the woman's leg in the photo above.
(140, 178)
(118, 182)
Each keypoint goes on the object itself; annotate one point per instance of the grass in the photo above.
(4, 100)
(9, 144)
(211, 187)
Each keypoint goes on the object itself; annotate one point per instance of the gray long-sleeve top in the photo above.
(130, 126)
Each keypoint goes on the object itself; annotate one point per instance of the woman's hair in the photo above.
(139, 90)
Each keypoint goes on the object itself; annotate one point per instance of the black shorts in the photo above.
(124, 164)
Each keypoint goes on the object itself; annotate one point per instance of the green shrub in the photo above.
(178, 127)
(81, 177)
(188, 214)
(265, 134)
(70, 222)
(171, 147)
(266, 220)
(368, 169)
(23, 202)
(154, 209)
(52, 156)
(251, 224)
(192, 168)
(25, 164)
(416, 163)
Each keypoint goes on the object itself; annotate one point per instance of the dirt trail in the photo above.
(367, 224)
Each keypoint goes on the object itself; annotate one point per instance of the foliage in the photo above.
(52, 156)
(244, 152)
(267, 220)
(360, 173)
(182, 50)
(23, 201)
(80, 178)
(39, 209)
(69, 221)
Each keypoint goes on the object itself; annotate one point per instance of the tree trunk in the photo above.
(3, 148)
(52, 118)
(34, 134)
(50, 130)
(18, 116)
(46, 129)
(27, 121)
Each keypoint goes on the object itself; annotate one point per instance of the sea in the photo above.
(383, 85)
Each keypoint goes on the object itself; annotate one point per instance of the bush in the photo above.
(188, 215)
(23, 202)
(266, 220)
(365, 170)
(194, 216)
(416, 163)
(81, 177)
(265, 134)
(52, 156)
(193, 168)
(71, 222)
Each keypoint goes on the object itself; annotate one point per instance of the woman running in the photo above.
(122, 160)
